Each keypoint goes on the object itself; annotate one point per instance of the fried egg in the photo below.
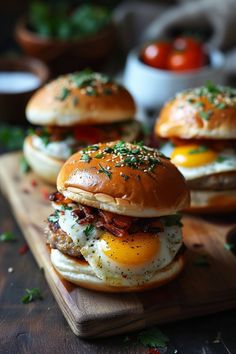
(195, 161)
(122, 261)
(58, 149)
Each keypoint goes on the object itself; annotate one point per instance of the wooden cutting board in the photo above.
(200, 289)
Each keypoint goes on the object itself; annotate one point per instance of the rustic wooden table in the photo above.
(39, 327)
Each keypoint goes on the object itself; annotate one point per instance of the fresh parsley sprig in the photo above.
(105, 171)
(89, 229)
(153, 338)
(31, 295)
(7, 236)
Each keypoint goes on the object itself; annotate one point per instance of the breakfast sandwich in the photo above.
(73, 111)
(199, 128)
(115, 225)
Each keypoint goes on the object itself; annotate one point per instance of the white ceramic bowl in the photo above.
(152, 87)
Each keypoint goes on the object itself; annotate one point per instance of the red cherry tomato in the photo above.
(90, 135)
(185, 43)
(186, 59)
(155, 54)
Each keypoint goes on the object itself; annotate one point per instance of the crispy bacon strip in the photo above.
(118, 225)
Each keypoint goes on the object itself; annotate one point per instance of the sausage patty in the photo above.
(59, 239)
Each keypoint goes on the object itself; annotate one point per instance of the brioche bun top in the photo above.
(127, 179)
(207, 112)
(80, 98)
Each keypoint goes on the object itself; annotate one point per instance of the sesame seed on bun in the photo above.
(80, 98)
(124, 178)
(207, 112)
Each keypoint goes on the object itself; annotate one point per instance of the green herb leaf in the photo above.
(212, 88)
(11, 138)
(153, 338)
(198, 104)
(89, 229)
(222, 158)
(24, 166)
(91, 148)
(201, 260)
(54, 217)
(229, 246)
(85, 157)
(31, 295)
(90, 91)
(98, 156)
(65, 207)
(108, 149)
(65, 92)
(105, 171)
(199, 150)
(7, 237)
(205, 115)
(221, 105)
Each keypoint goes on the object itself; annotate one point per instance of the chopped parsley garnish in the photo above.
(108, 149)
(198, 150)
(136, 156)
(219, 96)
(65, 207)
(91, 148)
(98, 156)
(85, 158)
(201, 260)
(24, 166)
(211, 88)
(120, 148)
(152, 338)
(222, 158)
(65, 92)
(7, 236)
(89, 78)
(172, 220)
(31, 295)
(89, 229)
(54, 217)
(221, 105)
(90, 91)
(205, 115)
(198, 104)
(105, 171)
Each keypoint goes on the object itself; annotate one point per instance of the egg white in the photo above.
(92, 248)
(191, 173)
(58, 149)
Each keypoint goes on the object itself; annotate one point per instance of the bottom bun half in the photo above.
(212, 201)
(43, 165)
(80, 273)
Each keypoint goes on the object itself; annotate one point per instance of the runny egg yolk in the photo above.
(132, 250)
(192, 156)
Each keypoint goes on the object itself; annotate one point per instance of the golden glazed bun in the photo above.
(80, 273)
(207, 112)
(80, 98)
(43, 165)
(125, 179)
